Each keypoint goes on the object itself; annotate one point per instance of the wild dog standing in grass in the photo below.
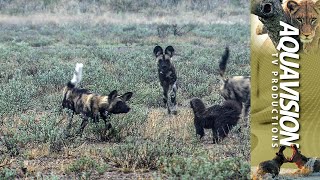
(91, 105)
(167, 77)
(303, 162)
(219, 118)
(272, 166)
(235, 88)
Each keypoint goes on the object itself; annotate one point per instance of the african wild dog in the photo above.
(91, 105)
(219, 118)
(301, 160)
(235, 88)
(272, 166)
(167, 77)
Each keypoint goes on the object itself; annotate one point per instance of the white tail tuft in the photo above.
(77, 75)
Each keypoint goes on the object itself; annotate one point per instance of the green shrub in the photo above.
(137, 154)
(101, 169)
(201, 166)
(11, 144)
(6, 173)
(83, 166)
(32, 128)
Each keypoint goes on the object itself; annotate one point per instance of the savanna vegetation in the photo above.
(42, 40)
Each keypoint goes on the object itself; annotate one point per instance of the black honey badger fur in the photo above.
(272, 166)
(234, 88)
(91, 105)
(219, 118)
(167, 76)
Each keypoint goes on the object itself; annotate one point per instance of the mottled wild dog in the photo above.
(219, 118)
(272, 166)
(234, 88)
(167, 76)
(301, 160)
(91, 105)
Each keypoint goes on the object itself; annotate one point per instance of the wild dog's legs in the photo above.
(107, 125)
(172, 104)
(165, 94)
(70, 117)
(95, 119)
(168, 102)
(67, 130)
(246, 108)
(83, 124)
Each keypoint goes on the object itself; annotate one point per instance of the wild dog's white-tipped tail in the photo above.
(77, 75)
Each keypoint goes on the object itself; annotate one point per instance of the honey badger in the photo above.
(235, 88)
(92, 105)
(219, 118)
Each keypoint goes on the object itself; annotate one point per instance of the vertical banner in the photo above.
(285, 114)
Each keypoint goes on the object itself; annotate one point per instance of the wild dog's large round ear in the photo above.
(169, 50)
(113, 94)
(157, 51)
(127, 96)
(292, 6)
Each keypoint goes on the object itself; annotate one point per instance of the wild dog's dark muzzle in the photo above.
(164, 69)
(127, 110)
(164, 65)
(119, 110)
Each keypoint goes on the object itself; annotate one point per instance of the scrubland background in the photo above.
(42, 40)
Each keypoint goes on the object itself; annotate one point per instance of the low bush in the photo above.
(201, 166)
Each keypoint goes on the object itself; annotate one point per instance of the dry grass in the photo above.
(38, 152)
(159, 123)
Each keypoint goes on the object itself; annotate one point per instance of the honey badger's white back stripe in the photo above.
(77, 75)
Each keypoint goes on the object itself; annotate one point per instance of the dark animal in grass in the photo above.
(219, 118)
(92, 105)
(272, 166)
(302, 161)
(235, 88)
(167, 76)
